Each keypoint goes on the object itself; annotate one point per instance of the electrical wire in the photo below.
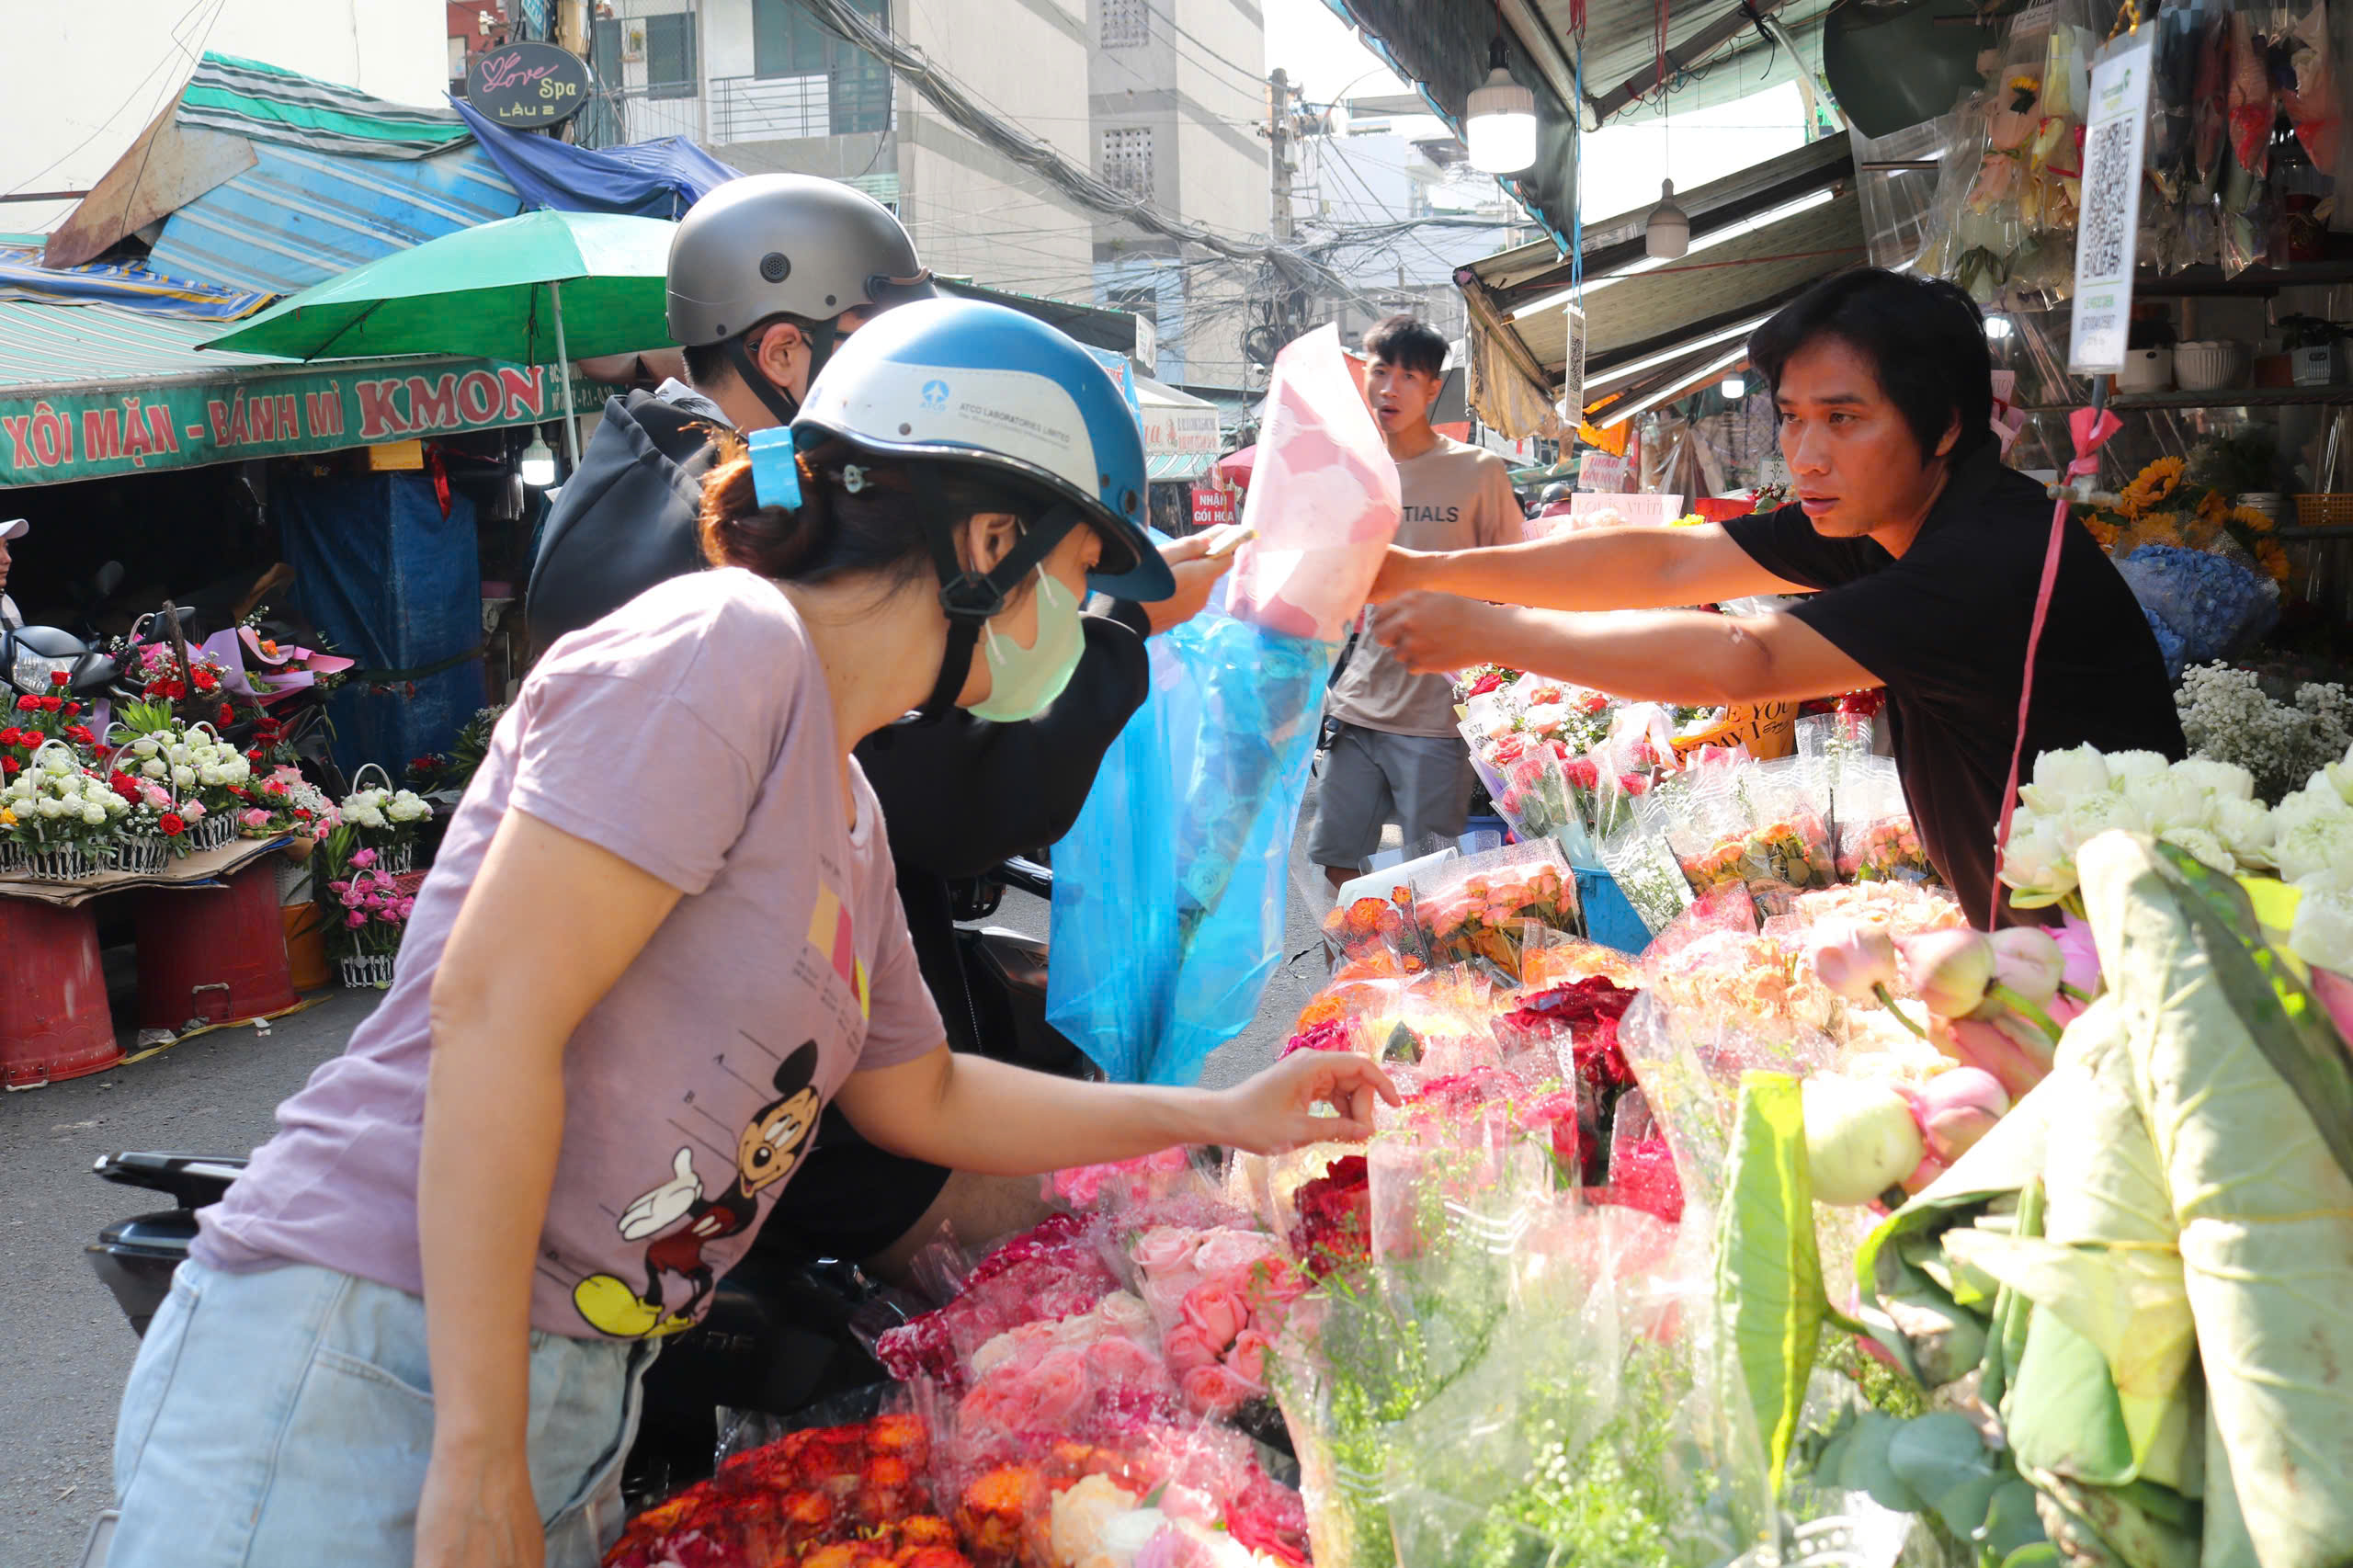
(129, 99)
(958, 105)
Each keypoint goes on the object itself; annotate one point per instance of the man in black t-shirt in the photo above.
(1918, 556)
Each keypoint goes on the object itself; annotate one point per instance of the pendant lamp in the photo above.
(1499, 121)
(1668, 234)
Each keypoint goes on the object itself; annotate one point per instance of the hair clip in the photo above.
(776, 468)
(853, 478)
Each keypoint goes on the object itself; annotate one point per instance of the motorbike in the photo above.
(784, 1331)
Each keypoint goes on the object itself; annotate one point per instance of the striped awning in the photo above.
(22, 276)
(48, 348)
(298, 216)
(266, 103)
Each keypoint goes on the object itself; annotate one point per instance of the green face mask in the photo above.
(1023, 681)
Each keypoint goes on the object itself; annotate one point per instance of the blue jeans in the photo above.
(286, 1416)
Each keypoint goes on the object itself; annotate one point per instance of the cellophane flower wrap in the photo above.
(1475, 909)
(1052, 1272)
(842, 1495)
(1878, 841)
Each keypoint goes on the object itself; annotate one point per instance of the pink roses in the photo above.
(1221, 1294)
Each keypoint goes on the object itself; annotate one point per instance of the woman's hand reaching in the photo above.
(1275, 1111)
(1196, 573)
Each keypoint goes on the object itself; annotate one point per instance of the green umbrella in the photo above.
(539, 289)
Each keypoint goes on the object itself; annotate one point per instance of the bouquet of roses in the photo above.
(286, 803)
(387, 820)
(836, 1496)
(1220, 1297)
(366, 907)
(1475, 909)
(56, 805)
(1877, 840)
(1126, 1183)
(1138, 1491)
(1367, 928)
(1050, 1272)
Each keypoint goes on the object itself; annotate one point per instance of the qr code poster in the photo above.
(2113, 139)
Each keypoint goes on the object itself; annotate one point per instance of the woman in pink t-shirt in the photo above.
(661, 935)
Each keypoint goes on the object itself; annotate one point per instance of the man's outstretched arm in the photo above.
(1683, 657)
(1597, 569)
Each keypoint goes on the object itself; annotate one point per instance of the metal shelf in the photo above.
(2228, 397)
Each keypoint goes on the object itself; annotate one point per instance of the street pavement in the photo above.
(63, 1366)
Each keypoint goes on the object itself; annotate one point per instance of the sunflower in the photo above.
(2273, 559)
(2104, 532)
(2254, 519)
(2156, 481)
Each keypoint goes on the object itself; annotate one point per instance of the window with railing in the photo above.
(1127, 160)
(1126, 24)
(788, 42)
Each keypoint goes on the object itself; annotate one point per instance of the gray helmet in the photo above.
(765, 245)
(1556, 491)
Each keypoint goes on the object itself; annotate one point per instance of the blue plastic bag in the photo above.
(1169, 891)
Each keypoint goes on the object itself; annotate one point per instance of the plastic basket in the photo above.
(141, 853)
(61, 863)
(368, 969)
(211, 831)
(2329, 511)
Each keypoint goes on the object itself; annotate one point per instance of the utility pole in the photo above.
(1278, 133)
(572, 25)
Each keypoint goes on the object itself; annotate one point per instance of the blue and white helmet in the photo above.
(980, 384)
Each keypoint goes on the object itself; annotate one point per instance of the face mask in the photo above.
(1023, 681)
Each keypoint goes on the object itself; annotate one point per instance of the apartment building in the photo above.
(766, 88)
(1178, 101)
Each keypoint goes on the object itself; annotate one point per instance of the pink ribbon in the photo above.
(2091, 429)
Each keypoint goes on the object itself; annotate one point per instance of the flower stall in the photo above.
(1755, 1247)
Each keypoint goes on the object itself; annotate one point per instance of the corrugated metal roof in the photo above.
(46, 349)
(299, 218)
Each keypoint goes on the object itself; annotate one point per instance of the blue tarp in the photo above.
(397, 587)
(135, 287)
(646, 179)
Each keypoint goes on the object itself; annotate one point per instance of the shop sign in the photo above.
(1212, 505)
(527, 85)
(66, 436)
(1179, 431)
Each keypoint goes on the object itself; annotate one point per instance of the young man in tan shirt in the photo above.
(1397, 755)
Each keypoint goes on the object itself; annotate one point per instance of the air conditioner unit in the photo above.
(633, 40)
(1573, 365)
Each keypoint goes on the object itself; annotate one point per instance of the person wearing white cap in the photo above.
(13, 529)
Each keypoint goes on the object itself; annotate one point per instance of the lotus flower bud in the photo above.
(1958, 1108)
(1852, 959)
(2030, 961)
(1949, 970)
(1980, 1044)
(1860, 1140)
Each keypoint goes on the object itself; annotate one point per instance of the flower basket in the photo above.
(398, 860)
(211, 831)
(62, 863)
(11, 857)
(368, 969)
(295, 881)
(141, 853)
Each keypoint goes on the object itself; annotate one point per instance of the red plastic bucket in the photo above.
(212, 955)
(53, 1019)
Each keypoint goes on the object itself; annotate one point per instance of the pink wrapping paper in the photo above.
(1322, 499)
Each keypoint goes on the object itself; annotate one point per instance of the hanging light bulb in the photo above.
(1735, 387)
(1668, 234)
(1499, 122)
(538, 463)
(1997, 327)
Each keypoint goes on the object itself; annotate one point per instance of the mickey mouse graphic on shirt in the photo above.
(682, 1222)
